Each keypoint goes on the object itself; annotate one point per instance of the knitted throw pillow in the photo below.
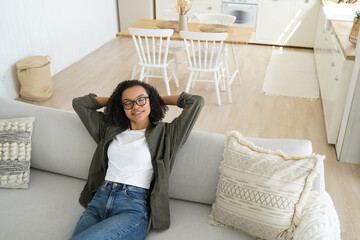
(15, 148)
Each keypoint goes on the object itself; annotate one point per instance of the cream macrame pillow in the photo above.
(261, 192)
(15, 148)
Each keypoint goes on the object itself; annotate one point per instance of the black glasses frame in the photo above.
(128, 105)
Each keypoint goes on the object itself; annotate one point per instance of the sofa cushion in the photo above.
(189, 221)
(15, 152)
(60, 142)
(49, 209)
(262, 192)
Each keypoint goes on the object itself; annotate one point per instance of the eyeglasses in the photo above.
(128, 105)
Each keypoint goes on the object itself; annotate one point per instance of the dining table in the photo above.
(236, 35)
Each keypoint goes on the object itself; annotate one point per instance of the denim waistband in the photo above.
(123, 186)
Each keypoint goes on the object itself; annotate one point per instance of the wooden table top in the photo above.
(236, 34)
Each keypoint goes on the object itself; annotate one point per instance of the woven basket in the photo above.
(354, 31)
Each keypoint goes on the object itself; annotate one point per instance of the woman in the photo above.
(126, 192)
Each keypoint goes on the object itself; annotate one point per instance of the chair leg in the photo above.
(236, 63)
(175, 74)
(148, 72)
(134, 69)
(197, 74)
(189, 81)
(166, 81)
(222, 76)
(228, 89)
(141, 78)
(217, 88)
(176, 70)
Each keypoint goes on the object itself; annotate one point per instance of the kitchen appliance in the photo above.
(245, 11)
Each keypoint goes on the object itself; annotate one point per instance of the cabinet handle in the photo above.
(209, 8)
(336, 78)
(333, 64)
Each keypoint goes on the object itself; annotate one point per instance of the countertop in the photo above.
(334, 3)
(342, 29)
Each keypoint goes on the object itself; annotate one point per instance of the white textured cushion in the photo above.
(15, 152)
(261, 192)
(319, 219)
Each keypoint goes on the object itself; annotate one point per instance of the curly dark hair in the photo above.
(114, 111)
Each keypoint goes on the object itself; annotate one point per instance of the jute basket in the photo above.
(354, 31)
(34, 77)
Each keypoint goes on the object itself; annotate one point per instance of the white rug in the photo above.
(291, 72)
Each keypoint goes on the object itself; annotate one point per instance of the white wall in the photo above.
(66, 30)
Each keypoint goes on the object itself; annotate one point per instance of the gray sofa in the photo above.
(60, 158)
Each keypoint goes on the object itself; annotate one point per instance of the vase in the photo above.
(182, 22)
(354, 31)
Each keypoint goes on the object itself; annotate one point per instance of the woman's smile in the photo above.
(138, 112)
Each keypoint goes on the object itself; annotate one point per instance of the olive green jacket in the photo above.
(164, 140)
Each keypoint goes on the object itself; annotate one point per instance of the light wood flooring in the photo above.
(252, 112)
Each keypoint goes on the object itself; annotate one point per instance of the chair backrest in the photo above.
(152, 45)
(174, 15)
(204, 51)
(213, 18)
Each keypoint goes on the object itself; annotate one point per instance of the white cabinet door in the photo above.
(273, 20)
(287, 22)
(334, 74)
(304, 23)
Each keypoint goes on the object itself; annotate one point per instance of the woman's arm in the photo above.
(102, 100)
(86, 107)
(180, 128)
(170, 100)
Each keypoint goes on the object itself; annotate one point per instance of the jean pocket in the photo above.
(136, 196)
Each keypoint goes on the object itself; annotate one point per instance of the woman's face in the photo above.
(138, 115)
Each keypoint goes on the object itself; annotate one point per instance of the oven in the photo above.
(245, 11)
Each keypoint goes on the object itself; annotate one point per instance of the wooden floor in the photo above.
(252, 112)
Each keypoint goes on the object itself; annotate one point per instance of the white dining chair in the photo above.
(204, 55)
(177, 46)
(223, 19)
(152, 49)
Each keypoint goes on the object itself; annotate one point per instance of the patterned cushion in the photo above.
(15, 148)
(261, 192)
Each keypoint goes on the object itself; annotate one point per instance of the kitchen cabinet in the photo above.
(334, 74)
(287, 22)
(206, 6)
(198, 7)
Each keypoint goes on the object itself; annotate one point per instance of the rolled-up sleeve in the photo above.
(94, 121)
(181, 126)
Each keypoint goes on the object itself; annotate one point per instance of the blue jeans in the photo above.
(117, 211)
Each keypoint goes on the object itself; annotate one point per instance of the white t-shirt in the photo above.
(130, 159)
